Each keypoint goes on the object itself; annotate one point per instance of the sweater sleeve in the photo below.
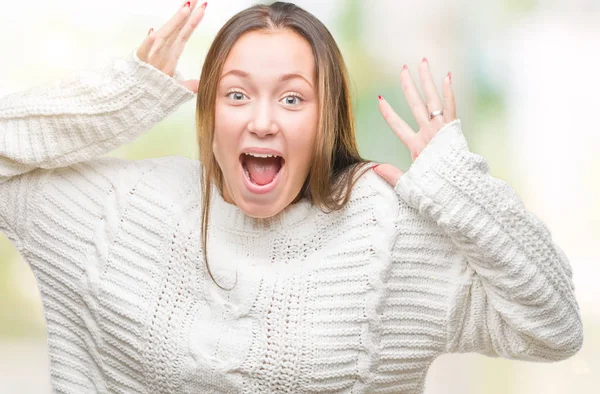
(84, 115)
(511, 292)
(72, 120)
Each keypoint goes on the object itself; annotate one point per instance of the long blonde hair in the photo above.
(336, 161)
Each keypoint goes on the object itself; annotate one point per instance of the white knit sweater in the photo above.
(360, 300)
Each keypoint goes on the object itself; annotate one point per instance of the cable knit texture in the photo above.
(360, 300)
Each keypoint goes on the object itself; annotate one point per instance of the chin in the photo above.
(260, 210)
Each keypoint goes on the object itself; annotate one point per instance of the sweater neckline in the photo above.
(231, 217)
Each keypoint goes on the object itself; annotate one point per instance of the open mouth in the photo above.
(260, 169)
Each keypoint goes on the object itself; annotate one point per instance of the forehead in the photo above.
(264, 53)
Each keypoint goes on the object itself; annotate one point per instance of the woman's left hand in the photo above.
(428, 128)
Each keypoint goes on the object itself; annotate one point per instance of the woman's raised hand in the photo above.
(162, 48)
(428, 128)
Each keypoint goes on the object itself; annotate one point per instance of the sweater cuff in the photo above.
(450, 137)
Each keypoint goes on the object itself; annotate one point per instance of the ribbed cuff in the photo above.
(439, 146)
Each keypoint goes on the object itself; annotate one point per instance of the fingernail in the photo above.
(374, 167)
(380, 98)
(151, 30)
(204, 4)
(404, 67)
(187, 4)
(424, 59)
(450, 77)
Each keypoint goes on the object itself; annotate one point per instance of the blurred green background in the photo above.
(525, 76)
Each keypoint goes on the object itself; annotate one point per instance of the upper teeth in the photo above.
(260, 154)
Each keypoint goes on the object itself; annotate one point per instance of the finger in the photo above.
(171, 29)
(186, 32)
(432, 97)
(388, 172)
(147, 45)
(192, 23)
(415, 102)
(176, 34)
(144, 49)
(449, 102)
(396, 123)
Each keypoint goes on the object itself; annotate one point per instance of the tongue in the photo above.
(262, 170)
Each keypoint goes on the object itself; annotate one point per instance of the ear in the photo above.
(388, 172)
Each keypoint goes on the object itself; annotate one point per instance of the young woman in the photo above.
(330, 274)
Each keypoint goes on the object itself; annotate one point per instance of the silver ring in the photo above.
(435, 113)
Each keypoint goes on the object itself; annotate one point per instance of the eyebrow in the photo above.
(283, 77)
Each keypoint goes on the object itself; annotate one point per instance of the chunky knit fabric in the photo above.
(360, 300)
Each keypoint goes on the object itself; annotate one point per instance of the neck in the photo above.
(226, 215)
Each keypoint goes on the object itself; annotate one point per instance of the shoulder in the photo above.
(377, 191)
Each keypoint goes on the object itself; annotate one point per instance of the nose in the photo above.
(263, 122)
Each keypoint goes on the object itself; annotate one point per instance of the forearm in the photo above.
(516, 296)
(84, 116)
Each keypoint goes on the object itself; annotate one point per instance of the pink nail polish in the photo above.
(204, 4)
(450, 77)
(187, 4)
(379, 97)
(374, 167)
(424, 59)
(404, 67)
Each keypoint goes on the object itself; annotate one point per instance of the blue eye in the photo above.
(292, 96)
(291, 99)
(236, 94)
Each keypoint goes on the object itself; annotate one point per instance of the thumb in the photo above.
(388, 172)
(190, 84)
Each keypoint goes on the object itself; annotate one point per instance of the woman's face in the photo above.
(266, 103)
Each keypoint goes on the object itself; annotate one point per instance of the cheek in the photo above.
(302, 143)
(224, 139)
(310, 133)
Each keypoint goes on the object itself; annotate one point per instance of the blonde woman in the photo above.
(281, 261)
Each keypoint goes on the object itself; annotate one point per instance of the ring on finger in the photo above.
(435, 113)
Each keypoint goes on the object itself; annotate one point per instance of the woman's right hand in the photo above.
(162, 48)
